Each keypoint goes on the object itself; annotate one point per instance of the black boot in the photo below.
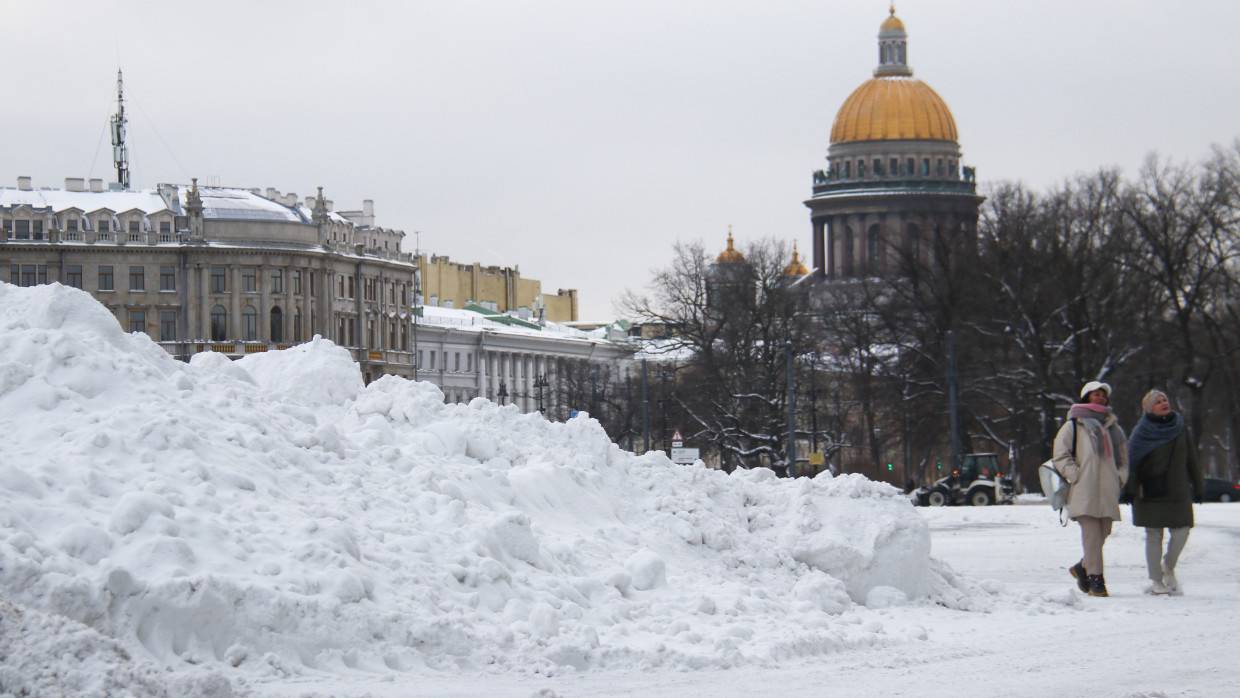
(1097, 585)
(1078, 573)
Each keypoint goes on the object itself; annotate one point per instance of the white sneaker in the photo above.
(1169, 580)
(1158, 588)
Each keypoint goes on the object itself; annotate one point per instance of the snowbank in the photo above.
(274, 515)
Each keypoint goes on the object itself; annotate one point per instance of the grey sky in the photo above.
(579, 139)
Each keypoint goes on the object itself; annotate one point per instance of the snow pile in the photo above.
(274, 515)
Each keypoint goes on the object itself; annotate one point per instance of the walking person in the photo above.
(1166, 479)
(1091, 454)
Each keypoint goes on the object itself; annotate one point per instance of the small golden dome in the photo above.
(795, 267)
(893, 109)
(730, 255)
(892, 23)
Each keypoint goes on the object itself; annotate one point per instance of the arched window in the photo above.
(860, 169)
(249, 324)
(848, 169)
(903, 60)
(911, 168)
(219, 324)
(277, 324)
(872, 250)
(848, 251)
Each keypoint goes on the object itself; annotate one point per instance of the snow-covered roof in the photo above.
(241, 204)
(461, 318)
(146, 200)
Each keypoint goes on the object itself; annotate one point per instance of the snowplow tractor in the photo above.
(978, 482)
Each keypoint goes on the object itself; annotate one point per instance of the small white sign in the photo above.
(684, 456)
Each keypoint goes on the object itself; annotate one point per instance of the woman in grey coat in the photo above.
(1091, 454)
(1165, 481)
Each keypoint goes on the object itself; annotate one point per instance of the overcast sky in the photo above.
(578, 139)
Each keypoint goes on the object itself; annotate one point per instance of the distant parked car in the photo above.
(1221, 490)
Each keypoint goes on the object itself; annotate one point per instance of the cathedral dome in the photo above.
(796, 267)
(730, 255)
(893, 108)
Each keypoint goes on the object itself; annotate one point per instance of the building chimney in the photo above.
(24, 184)
(96, 185)
(75, 184)
(368, 209)
(310, 202)
(273, 193)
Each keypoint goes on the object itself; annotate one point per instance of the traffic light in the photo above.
(890, 467)
(938, 465)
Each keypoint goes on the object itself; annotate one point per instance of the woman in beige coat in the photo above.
(1091, 453)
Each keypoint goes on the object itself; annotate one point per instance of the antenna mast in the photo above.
(120, 153)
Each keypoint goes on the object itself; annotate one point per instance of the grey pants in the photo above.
(1154, 560)
(1094, 532)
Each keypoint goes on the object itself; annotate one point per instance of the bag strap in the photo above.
(1074, 439)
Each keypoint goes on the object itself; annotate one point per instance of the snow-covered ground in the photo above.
(272, 527)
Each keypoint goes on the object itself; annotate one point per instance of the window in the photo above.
(167, 325)
(165, 231)
(219, 323)
(392, 293)
(23, 230)
(71, 229)
(432, 359)
(137, 321)
(392, 335)
(925, 167)
(296, 325)
(894, 167)
(419, 363)
(219, 280)
(458, 362)
(104, 226)
(8, 228)
(939, 168)
(249, 280)
(135, 232)
(277, 324)
(469, 362)
(404, 337)
(137, 279)
(370, 334)
(352, 288)
(249, 324)
(28, 274)
(848, 169)
(878, 167)
(73, 275)
(341, 336)
(167, 278)
(277, 281)
(340, 293)
(297, 283)
(105, 278)
(872, 249)
(404, 295)
(860, 169)
(38, 230)
(352, 332)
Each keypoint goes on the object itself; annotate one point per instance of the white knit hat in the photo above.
(1095, 385)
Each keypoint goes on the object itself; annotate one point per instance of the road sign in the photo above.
(816, 458)
(684, 456)
(677, 439)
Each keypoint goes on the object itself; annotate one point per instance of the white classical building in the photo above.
(240, 271)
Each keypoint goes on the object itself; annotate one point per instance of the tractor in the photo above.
(978, 482)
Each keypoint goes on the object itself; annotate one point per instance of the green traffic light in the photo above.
(890, 467)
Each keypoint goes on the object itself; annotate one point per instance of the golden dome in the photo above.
(892, 23)
(730, 255)
(795, 267)
(893, 109)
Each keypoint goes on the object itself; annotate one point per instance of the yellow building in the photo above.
(449, 284)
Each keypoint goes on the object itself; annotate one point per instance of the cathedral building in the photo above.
(894, 186)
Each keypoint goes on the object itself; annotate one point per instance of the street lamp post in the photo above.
(503, 393)
(540, 382)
